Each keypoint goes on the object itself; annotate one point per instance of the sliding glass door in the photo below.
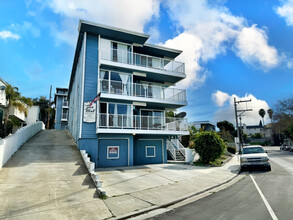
(115, 115)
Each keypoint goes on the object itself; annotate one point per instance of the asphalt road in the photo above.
(243, 200)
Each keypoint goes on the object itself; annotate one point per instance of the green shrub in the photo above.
(231, 149)
(209, 146)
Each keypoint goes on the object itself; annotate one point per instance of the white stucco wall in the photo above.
(33, 114)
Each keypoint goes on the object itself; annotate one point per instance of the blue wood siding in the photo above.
(90, 145)
(75, 99)
(140, 151)
(125, 143)
(90, 81)
(58, 112)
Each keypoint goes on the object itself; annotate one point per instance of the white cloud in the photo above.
(250, 117)
(252, 47)
(286, 11)
(212, 29)
(126, 14)
(220, 98)
(8, 34)
(207, 29)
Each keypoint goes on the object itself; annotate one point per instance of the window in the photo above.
(64, 114)
(115, 82)
(150, 151)
(115, 115)
(121, 53)
(112, 152)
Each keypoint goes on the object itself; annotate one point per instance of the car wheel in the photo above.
(269, 168)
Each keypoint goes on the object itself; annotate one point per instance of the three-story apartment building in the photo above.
(61, 109)
(127, 125)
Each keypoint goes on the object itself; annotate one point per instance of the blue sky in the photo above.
(232, 48)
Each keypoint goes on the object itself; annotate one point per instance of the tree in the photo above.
(283, 115)
(43, 102)
(170, 114)
(225, 125)
(262, 114)
(14, 98)
(209, 146)
(270, 113)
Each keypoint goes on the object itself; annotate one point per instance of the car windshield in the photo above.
(253, 150)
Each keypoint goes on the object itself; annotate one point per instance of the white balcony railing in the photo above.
(138, 122)
(64, 117)
(127, 57)
(142, 90)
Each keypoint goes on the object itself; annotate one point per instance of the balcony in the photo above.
(136, 59)
(142, 90)
(139, 122)
(65, 104)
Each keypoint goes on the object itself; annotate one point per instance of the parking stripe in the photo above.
(271, 211)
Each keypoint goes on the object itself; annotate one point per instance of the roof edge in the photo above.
(112, 28)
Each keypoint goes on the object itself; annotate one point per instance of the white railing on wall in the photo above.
(136, 59)
(10, 144)
(141, 122)
(142, 90)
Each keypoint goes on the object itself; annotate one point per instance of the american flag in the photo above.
(97, 98)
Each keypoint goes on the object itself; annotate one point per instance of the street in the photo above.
(260, 195)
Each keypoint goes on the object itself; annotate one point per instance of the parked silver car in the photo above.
(254, 156)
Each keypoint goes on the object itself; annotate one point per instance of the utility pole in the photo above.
(49, 111)
(239, 115)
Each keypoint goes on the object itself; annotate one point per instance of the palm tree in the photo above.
(13, 98)
(270, 113)
(262, 114)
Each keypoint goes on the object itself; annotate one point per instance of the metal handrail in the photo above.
(179, 146)
(128, 57)
(142, 90)
(171, 149)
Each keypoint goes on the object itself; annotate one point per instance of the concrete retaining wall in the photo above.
(10, 144)
(91, 168)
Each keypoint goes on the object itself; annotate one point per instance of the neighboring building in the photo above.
(3, 102)
(268, 133)
(33, 114)
(204, 125)
(252, 129)
(61, 109)
(127, 126)
(14, 112)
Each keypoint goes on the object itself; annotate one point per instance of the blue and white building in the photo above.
(61, 109)
(127, 126)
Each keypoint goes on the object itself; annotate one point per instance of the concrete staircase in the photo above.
(179, 156)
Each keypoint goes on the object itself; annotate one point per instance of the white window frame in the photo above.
(146, 151)
(110, 158)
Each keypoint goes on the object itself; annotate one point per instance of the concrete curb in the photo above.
(144, 211)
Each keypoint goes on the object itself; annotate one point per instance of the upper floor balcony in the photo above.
(126, 56)
(143, 90)
(65, 104)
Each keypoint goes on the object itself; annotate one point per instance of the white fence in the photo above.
(10, 144)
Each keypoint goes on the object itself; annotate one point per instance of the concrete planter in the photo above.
(189, 155)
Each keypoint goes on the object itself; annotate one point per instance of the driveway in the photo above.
(123, 180)
(46, 179)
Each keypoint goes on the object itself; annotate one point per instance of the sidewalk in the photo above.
(134, 190)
